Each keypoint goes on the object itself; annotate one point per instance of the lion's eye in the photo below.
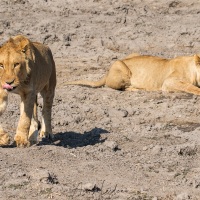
(1, 66)
(16, 64)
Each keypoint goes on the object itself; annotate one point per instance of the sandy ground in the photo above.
(108, 144)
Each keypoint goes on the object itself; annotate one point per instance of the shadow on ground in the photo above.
(73, 139)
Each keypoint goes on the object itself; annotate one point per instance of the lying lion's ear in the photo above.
(197, 60)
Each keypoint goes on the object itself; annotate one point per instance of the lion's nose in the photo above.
(10, 82)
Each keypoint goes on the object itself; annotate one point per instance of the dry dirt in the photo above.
(108, 144)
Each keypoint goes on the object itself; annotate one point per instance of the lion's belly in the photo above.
(150, 80)
(146, 84)
(148, 72)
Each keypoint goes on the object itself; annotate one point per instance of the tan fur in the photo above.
(28, 68)
(151, 73)
(3, 100)
(4, 137)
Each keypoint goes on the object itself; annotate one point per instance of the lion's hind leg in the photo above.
(118, 76)
(176, 84)
(48, 95)
(46, 130)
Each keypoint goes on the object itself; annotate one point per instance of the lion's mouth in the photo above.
(8, 87)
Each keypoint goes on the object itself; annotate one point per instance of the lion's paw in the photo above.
(21, 141)
(4, 138)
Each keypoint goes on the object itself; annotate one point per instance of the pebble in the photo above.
(182, 196)
(41, 175)
(111, 144)
(157, 149)
(117, 113)
(145, 148)
(88, 186)
(196, 183)
(187, 150)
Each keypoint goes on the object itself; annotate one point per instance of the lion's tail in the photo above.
(94, 84)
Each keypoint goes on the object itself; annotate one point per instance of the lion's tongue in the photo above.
(7, 86)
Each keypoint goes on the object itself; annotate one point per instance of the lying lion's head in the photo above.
(15, 58)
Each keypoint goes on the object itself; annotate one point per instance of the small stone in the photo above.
(196, 183)
(151, 146)
(145, 148)
(43, 176)
(124, 113)
(182, 196)
(117, 113)
(111, 144)
(88, 186)
(187, 150)
(157, 149)
(39, 174)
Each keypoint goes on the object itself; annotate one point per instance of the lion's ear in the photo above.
(20, 41)
(24, 45)
(197, 60)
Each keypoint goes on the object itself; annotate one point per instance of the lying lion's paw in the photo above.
(4, 138)
(21, 141)
(46, 135)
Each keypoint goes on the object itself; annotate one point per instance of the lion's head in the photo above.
(15, 58)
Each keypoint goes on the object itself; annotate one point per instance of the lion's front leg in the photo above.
(4, 137)
(26, 111)
(33, 131)
(174, 83)
(3, 100)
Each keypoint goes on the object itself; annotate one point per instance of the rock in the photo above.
(39, 174)
(157, 149)
(90, 187)
(187, 150)
(145, 148)
(182, 196)
(196, 183)
(44, 176)
(117, 113)
(86, 109)
(111, 144)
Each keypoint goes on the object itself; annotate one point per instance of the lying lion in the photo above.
(28, 68)
(151, 73)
